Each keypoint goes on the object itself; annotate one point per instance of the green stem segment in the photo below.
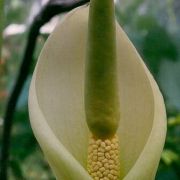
(1, 23)
(101, 90)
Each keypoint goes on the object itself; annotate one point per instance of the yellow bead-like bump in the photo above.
(103, 158)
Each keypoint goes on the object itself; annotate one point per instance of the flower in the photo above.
(57, 110)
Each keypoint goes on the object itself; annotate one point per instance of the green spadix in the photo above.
(101, 89)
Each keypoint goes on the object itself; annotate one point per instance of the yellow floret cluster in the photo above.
(103, 158)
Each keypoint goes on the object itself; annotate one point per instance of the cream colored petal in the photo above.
(56, 104)
(142, 128)
(62, 162)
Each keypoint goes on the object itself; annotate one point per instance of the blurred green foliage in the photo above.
(154, 28)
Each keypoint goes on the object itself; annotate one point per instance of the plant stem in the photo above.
(1, 24)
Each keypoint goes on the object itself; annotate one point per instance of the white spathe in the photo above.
(56, 105)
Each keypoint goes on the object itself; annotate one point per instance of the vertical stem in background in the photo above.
(12, 101)
(1, 23)
(101, 90)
